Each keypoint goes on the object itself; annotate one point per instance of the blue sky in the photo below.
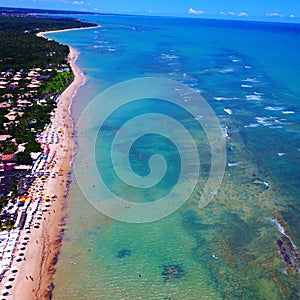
(244, 9)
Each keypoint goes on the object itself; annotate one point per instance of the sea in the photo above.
(248, 73)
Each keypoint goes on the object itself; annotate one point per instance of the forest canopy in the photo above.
(20, 48)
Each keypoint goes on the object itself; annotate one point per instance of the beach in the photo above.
(42, 33)
(33, 279)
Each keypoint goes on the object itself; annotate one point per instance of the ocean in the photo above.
(230, 248)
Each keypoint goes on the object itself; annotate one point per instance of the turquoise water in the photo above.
(226, 250)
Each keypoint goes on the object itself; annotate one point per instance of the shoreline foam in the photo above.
(34, 279)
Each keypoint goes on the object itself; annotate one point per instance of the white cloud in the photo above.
(196, 12)
(243, 14)
(273, 15)
(78, 2)
(292, 16)
(231, 13)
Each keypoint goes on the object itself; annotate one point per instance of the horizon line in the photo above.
(264, 19)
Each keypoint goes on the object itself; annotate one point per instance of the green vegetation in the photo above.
(3, 202)
(20, 48)
(37, 24)
(3, 119)
(34, 71)
(7, 147)
(24, 158)
(25, 51)
(14, 189)
(58, 83)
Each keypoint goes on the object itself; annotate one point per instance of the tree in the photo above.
(14, 189)
(24, 158)
(3, 202)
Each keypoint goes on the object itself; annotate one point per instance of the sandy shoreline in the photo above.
(35, 276)
(42, 34)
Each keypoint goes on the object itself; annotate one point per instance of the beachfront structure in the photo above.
(21, 91)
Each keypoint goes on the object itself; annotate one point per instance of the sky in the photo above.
(281, 10)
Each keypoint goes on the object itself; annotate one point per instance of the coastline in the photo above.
(42, 33)
(34, 278)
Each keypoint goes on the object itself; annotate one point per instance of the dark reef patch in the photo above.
(172, 272)
(124, 253)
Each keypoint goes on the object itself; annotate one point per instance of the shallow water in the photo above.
(226, 250)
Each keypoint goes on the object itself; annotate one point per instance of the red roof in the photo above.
(7, 157)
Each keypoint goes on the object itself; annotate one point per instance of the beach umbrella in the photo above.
(11, 278)
(5, 293)
(8, 285)
(14, 270)
(26, 237)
